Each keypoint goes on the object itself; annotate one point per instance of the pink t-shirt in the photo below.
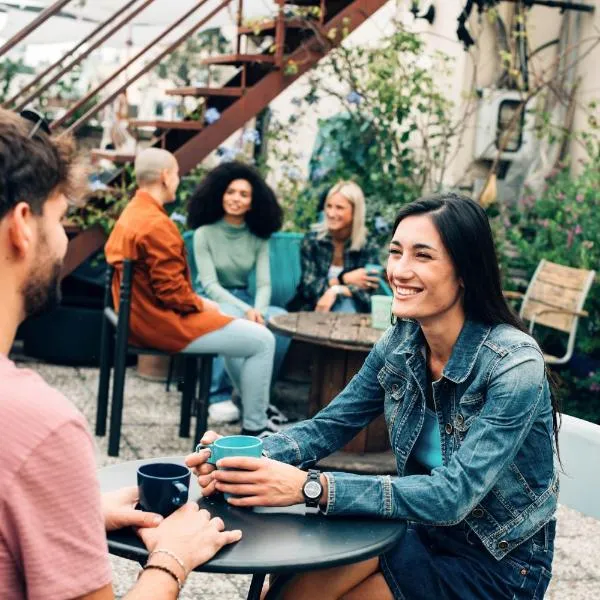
(52, 538)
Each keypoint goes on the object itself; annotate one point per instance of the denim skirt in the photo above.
(450, 563)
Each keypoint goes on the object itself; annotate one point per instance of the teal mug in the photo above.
(233, 445)
(378, 271)
(374, 270)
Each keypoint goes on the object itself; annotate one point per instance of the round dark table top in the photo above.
(334, 330)
(274, 539)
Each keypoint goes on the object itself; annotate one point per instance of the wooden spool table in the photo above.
(341, 342)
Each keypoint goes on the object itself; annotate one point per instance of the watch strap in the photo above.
(313, 475)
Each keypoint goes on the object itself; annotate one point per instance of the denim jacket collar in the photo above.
(465, 351)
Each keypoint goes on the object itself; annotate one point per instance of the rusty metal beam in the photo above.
(41, 18)
(92, 111)
(81, 247)
(72, 51)
(269, 87)
(77, 60)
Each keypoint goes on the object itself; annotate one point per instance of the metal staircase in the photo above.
(297, 43)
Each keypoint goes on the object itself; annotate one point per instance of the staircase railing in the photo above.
(83, 55)
(18, 101)
(41, 18)
(102, 103)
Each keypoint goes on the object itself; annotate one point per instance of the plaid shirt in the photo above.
(316, 256)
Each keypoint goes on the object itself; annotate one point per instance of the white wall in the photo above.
(479, 67)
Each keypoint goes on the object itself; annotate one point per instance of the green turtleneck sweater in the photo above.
(226, 255)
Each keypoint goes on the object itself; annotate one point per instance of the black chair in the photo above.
(116, 325)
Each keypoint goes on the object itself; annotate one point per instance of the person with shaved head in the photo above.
(166, 313)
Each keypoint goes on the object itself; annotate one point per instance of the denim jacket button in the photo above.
(523, 571)
(395, 388)
(459, 419)
(503, 545)
(478, 513)
(448, 429)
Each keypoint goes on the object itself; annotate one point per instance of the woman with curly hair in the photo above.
(234, 213)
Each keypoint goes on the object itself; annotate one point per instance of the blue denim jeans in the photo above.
(221, 386)
(247, 349)
(451, 563)
(344, 304)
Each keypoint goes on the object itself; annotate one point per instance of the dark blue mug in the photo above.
(163, 487)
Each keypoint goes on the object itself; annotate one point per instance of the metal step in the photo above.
(237, 60)
(268, 26)
(199, 92)
(161, 124)
(113, 155)
(303, 2)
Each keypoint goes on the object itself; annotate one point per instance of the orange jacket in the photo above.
(166, 313)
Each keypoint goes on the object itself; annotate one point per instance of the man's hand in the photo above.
(253, 315)
(118, 508)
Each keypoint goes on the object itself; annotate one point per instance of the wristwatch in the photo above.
(312, 488)
(337, 289)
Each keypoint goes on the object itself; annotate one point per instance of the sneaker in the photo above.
(223, 412)
(275, 416)
(268, 430)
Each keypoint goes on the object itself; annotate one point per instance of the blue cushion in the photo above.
(284, 257)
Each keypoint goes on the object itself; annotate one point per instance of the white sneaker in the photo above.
(223, 412)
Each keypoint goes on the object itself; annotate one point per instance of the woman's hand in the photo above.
(259, 481)
(361, 279)
(191, 534)
(253, 315)
(326, 301)
(203, 470)
(118, 508)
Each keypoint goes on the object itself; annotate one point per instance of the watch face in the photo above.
(312, 489)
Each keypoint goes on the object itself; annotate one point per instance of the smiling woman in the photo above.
(470, 417)
(334, 256)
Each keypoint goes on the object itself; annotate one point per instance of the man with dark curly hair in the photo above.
(53, 520)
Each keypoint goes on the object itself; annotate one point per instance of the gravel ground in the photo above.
(150, 424)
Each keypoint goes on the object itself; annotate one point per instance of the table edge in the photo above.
(320, 341)
(212, 566)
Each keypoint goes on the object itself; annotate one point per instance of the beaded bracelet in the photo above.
(164, 570)
(172, 555)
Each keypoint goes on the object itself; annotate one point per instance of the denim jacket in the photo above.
(495, 416)
(316, 255)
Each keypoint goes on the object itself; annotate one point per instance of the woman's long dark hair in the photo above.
(467, 236)
(205, 205)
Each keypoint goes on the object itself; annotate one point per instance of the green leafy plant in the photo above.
(393, 136)
(562, 225)
(9, 69)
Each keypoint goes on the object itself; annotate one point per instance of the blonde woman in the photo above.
(334, 255)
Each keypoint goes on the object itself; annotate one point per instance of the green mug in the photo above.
(374, 270)
(381, 311)
(233, 445)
